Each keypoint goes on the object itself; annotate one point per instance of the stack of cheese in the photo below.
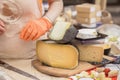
(67, 56)
(88, 14)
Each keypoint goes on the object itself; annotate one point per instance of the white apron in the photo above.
(11, 46)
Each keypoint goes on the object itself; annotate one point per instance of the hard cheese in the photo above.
(87, 8)
(59, 30)
(57, 55)
(63, 32)
(86, 20)
(90, 53)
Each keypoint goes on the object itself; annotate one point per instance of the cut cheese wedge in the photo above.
(59, 30)
(63, 32)
(57, 55)
(91, 53)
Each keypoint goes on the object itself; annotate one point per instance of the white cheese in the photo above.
(87, 33)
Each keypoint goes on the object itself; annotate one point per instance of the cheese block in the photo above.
(86, 20)
(86, 15)
(85, 8)
(89, 25)
(59, 30)
(57, 55)
(106, 47)
(63, 32)
(69, 35)
(88, 8)
(101, 76)
(86, 33)
(98, 19)
(113, 73)
(90, 53)
(97, 7)
(89, 15)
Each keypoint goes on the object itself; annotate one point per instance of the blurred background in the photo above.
(113, 6)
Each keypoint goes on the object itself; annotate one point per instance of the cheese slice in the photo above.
(90, 53)
(58, 31)
(86, 15)
(63, 32)
(57, 55)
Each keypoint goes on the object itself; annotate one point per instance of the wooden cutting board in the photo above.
(61, 72)
(83, 66)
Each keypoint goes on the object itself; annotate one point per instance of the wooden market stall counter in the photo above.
(25, 65)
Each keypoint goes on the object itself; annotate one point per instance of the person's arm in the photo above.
(56, 6)
(36, 28)
(2, 27)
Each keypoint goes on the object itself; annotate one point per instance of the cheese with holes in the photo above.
(57, 55)
(90, 53)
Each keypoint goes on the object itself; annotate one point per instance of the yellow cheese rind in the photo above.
(57, 55)
(91, 53)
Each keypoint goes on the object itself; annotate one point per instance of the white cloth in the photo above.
(11, 46)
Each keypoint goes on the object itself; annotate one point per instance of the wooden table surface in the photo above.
(26, 66)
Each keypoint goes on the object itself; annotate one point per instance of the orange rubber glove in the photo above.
(35, 29)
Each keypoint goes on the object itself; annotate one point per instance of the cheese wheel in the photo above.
(57, 55)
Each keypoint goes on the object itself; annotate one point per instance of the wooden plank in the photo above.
(26, 66)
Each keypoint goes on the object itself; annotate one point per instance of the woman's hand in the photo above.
(35, 29)
(2, 27)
